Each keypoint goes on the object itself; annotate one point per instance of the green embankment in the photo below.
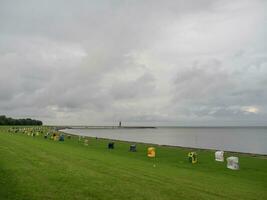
(35, 168)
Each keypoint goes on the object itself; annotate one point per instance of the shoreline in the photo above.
(264, 156)
(156, 127)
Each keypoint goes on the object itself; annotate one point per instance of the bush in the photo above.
(10, 121)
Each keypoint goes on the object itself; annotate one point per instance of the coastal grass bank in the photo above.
(32, 167)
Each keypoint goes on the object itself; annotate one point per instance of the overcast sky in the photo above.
(179, 62)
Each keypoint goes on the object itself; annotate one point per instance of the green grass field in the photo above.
(35, 168)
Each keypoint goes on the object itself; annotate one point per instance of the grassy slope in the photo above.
(35, 168)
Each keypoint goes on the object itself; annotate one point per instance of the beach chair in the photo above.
(133, 148)
(233, 163)
(61, 138)
(192, 157)
(151, 152)
(111, 145)
(219, 156)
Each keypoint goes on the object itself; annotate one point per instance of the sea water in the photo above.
(238, 139)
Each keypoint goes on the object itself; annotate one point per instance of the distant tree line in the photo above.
(10, 121)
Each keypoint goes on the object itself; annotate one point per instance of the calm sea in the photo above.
(239, 139)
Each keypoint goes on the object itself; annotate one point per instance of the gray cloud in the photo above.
(142, 87)
(153, 62)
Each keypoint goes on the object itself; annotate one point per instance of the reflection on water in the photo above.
(241, 139)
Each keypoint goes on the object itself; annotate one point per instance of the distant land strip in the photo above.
(104, 127)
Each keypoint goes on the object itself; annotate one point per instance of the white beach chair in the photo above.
(219, 156)
(232, 163)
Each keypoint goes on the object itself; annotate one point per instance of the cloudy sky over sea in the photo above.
(179, 62)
